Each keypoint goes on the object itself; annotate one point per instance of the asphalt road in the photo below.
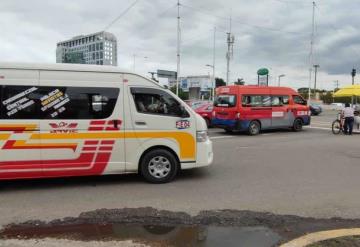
(310, 173)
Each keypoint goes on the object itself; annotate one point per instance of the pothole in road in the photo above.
(153, 227)
(149, 235)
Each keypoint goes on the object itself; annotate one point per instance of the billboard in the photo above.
(166, 74)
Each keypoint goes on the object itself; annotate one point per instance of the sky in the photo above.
(274, 34)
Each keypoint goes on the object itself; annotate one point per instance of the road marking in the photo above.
(220, 137)
(321, 236)
(314, 127)
(320, 122)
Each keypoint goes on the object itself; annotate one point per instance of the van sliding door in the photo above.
(81, 123)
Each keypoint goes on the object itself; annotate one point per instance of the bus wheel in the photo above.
(254, 128)
(298, 125)
(159, 166)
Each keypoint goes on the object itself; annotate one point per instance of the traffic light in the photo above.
(353, 72)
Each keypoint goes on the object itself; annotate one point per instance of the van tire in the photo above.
(228, 131)
(297, 125)
(208, 122)
(254, 128)
(159, 166)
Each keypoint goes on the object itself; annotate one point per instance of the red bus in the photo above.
(256, 108)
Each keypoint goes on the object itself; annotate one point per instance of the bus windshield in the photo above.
(225, 101)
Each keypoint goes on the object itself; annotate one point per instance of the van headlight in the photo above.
(202, 136)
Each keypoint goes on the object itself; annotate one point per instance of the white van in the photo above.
(78, 120)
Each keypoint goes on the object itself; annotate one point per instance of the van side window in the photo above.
(299, 100)
(256, 100)
(79, 102)
(279, 100)
(225, 100)
(19, 102)
(155, 101)
(41, 102)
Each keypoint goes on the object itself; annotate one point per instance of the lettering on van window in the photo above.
(19, 102)
(55, 100)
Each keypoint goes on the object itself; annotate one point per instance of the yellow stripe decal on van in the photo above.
(4, 136)
(185, 140)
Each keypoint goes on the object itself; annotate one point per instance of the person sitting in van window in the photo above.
(348, 114)
(139, 101)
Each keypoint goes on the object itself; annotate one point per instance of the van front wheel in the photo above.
(159, 166)
(298, 125)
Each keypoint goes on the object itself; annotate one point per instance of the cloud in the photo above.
(270, 33)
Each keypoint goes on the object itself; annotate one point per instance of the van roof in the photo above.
(71, 67)
(64, 66)
(235, 89)
(256, 87)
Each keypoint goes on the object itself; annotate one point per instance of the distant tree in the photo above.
(182, 95)
(219, 82)
(240, 81)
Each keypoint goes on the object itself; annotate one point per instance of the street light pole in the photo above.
(178, 48)
(213, 80)
(279, 79)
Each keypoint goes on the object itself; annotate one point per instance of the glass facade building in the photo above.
(98, 48)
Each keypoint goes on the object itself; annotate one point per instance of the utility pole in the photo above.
(178, 48)
(311, 49)
(316, 66)
(229, 54)
(353, 74)
(214, 54)
(134, 57)
(336, 87)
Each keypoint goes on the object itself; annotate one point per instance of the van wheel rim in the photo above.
(254, 128)
(159, 167)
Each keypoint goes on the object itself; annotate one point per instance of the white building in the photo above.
(98, 48)
(197, 86)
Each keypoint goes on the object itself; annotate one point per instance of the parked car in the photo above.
(205, 110)
(315, 109)
(336, 106)
(195, 103)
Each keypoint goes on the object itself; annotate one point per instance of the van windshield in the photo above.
(225, 101)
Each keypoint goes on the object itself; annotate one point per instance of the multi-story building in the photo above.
(98, 48)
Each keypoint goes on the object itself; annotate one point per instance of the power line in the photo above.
(121, 15)
(204, 12)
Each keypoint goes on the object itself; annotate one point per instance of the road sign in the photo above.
(166, 74)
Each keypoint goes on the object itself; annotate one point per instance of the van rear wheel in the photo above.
(254, 128)
(159, 166)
